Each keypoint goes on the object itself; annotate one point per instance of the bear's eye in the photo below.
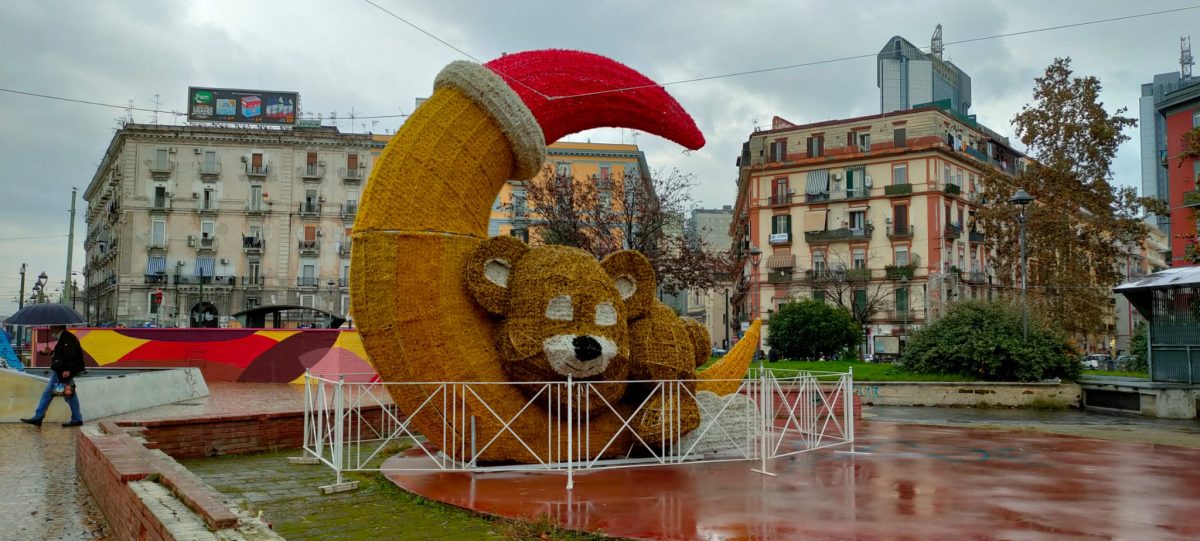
(606, 314)
(560, 309)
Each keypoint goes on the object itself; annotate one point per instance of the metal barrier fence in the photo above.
(349, 426)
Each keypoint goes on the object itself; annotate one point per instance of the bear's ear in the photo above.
(634, 277)
(489, 271)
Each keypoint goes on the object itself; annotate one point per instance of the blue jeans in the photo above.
(48, 395)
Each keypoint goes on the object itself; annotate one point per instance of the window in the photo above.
(777, 151)
(962, 260)
(207, 230)
(161, 159)
(816, 146)
(160, 196)
(311, 160)
(310, 197)
(1196, 118)
(900, 173)
(352, 198)
(310, 232)
(158, 233)
(210, 162)
(308, 301)
(901, 296)
(859, 258)
(520, 233)
(562, 170)
(779, 189)
(958, 178)
(605, 172)
(864, 142)
(960, 221)
(308, 274)
(858, 220)
(209, 201)
(860, 302)
(946, 174)
(256, 163)
(901, 218)
(901, 256)
(253, 270)
(781, 224)
(818, 295)
(818, 262)
(252, 302)
(605, 199)
(256, 197)
(898, 137)
(345, 304)
(352, 161)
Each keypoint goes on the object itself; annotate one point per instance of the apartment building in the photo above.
(1153, 136)
(221, 219)
(878, 208)
(712, 307)
(1144, 259)
(1180, 111)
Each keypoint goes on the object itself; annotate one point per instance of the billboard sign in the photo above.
(242, 106)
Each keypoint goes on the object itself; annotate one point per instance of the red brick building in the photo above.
(1182, 112)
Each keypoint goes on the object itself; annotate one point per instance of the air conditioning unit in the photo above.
(168, 194)
(224, 261)
(320, 199)
(321, 163)
(191, 240)
(196, 151)
(245, 159)
(171, 150)
(195, 195)
(867, 181)
(836, 177)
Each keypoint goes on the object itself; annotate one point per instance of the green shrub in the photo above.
(1137, 348)
(808, 329)
(984, 340)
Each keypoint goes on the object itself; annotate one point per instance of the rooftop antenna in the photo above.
(351, 120)
(157, 104)
(935, 44)
(333, 118)
(1186, 61)
(129, 112)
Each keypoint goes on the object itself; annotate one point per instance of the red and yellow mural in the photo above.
(246, 355)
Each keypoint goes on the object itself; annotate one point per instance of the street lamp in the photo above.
(755, 258)
(40, 287)
(1021, 199)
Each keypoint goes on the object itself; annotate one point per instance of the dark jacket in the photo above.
(68, 354)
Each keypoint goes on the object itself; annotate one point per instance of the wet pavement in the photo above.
(916, 482)
(40, 495)
(1023, 417)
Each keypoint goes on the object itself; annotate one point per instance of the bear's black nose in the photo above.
(586, 348)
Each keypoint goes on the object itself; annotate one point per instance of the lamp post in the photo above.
(21, 297)
(40, 287)
(755, 257)
(725, 342)
(1021, 199)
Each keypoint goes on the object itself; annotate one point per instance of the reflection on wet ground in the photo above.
(1005, 416)
(41, 497)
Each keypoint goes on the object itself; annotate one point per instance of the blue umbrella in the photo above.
(41, 315)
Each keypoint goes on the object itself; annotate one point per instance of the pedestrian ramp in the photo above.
(103, 392)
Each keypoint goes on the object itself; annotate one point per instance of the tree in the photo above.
(984, 339)
(1080, 225)
(1138, 347)
(627, 211)
(808, 329)
(851, 290)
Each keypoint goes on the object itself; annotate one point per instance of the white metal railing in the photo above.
(350, 422)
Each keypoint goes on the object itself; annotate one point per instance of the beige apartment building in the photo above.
(878, 208)
(221, 219)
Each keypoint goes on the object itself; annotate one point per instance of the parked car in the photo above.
(1125, 362)
(717, 352)
(1096, 361)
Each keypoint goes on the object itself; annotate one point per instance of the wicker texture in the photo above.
(564, 73)
(725, 376)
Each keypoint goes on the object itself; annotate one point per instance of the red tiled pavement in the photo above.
(918, 483)
(228, 399)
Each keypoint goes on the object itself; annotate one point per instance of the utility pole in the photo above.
(21, 297)
(70, 295)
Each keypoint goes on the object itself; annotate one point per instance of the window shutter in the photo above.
(312, 158)
(898, 137)
(788, 226)
(352, 161)
(901, 218)
(812, 148)
(820, 145)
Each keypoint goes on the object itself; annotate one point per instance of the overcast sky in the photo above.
(347, 55)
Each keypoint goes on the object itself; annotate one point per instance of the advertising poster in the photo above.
(242, 106)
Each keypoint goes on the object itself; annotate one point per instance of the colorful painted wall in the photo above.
(245, 355)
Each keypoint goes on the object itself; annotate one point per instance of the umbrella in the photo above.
(40, 315)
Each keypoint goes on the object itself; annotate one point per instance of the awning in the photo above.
(814, 220)
(157, 264)
(204, 266)
(781, 261)
(818, 182)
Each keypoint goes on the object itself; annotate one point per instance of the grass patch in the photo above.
(865, 371)
(1117, 373)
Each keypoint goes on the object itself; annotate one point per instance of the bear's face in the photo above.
(564, 313)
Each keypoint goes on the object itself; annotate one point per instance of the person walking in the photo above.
(64, 366)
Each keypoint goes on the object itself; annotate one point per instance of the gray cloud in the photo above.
(344, 55)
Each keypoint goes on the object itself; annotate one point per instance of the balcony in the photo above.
(816, 197)
(898, 189)
(858, 193)
(858, 275)
(160, 279)
(349, 210)
(952, 189)
(256, 206)
(160, 170)
(313, 173)
(837, 235)
(975, 277)
(252, 281)
(210, 172)
(899, 232)
(898, 314)
(206, 207)
(308, 281)
(975, 237)
(848, 275)
(155, 246)
(257, 171)
(978, 155)
(310, 210)
(951, 231)
(352, 175)
(1191, 199)
(252, 245)
(206, 244)
(344, 248)
(780, 238)
(900, 272)
(160, 204)
(780, 200)
(343, 282)
(309, 247)
(779, 277)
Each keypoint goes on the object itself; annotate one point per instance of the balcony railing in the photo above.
(848, 275)
(310, 210)
(206, 244)
(780, 238)
(309, 246)
(901, 232)
(256, 207)
(898, 272)
(352, 175)
(978, 155)
(210, 172)
(858, 193)
(816, 197)
(156, 278)
(313, 172)
(349, 209)
(975, 277)
(1191, 199)
(161, 204)
(975, 236)
(206, 207)
(779, 277)
(154, 246)
(858, 275)
(952, 189)
(952, 231)
(257, 170)
(780, 200)
(252, 244)
(308, 281)
(254, 281)
(835, 235)
(898, 314)
(159, 169)
(898, 189)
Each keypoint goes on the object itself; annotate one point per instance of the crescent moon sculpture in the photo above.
(426, 208)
